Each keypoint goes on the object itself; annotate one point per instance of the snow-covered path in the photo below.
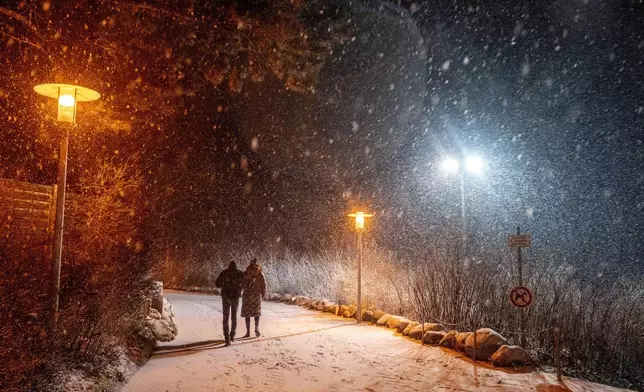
(304, 350)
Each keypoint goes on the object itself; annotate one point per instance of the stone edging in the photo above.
(490, 345)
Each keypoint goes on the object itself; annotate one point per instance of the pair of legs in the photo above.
(248, 326)
(230, 306)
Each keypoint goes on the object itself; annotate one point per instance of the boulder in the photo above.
(286, 298)
(321, 304)
(161, 327)
(459, 340)
(376, 316)
(299, 300)
(154, 314)
(382, 321)
(448, 339)
(487, 342)
(433, 337)
(394, 321)
(306, 302)
(417, 332)
(409, 327)
(402, 325)
(367, 315)
(508, 356)
(274, 297)
(331, 308)
(164, 330)
(314, 304)
(350, 311)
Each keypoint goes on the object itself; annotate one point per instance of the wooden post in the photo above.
(557, 333)
(474, 347)
(422, 330)
(157, 296)
(476, 377)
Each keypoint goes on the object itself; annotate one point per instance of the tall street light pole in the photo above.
(360, 220)
(463, 220)
(472, 165)
(67, 96)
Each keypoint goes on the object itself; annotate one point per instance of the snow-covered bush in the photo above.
(160, 327)
(601, 320)
(103, 286)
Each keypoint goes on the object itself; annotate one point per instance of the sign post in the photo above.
(519, 295)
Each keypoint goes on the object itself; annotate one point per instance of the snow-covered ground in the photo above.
(304, 350)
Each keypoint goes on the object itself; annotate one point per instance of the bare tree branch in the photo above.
(21, 19)
(24, 41)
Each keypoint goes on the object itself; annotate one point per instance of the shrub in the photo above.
(103, 287)
(601, 320)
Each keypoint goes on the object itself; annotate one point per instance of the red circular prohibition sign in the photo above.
(521, 296)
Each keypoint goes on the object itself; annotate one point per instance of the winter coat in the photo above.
(254, 290)
(231, 282)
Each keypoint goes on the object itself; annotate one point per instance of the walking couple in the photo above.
(232, 283)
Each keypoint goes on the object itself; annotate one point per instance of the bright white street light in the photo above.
(450, 165)
(474, 165)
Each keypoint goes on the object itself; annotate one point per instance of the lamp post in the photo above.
(67, 96)
(360, 220)
(473, 165)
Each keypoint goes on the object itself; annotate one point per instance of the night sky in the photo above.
(549, 93)
(551, 96)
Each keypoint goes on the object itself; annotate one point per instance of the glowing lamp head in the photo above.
(67, 107)
(360, 219)
(474, 165)
(68, 96)
(450, 166)
(66, 100)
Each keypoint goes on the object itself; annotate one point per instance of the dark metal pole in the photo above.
(59, 224)
(519, 260)
(521, 310)
(557, 333)
(463, 219)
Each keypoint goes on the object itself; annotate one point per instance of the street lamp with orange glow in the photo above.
(360, 228)
(68, 96)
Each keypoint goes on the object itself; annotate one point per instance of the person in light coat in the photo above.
(254, 291)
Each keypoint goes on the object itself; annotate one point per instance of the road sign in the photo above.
(519, 241)
(521, 296)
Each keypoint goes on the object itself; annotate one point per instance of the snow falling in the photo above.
(232, 128)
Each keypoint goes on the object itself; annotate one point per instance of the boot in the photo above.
(257, 326)
(247, 320)
(227, 339)
(232, 336)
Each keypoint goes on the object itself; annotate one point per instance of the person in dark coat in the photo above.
(254, 290)
(231, 282)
